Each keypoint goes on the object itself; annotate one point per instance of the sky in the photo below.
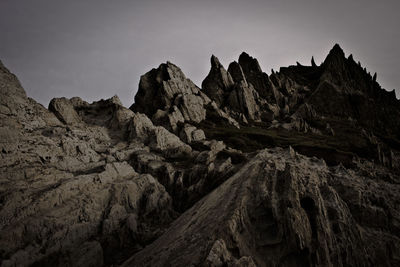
(98, 48)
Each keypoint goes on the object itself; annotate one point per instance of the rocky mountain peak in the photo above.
(336, 50)
(335, 58)
(236, 72)
(158, 88)
(170, 99)
(217, 82)
(249, 64)
(215, 62)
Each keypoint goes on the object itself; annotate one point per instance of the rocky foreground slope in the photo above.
(297, 168)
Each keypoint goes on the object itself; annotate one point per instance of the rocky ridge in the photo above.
(299, 167)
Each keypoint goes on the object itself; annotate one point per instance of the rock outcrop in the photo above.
(297, 168)
(64, 110)
(283, 209)
(67, 195)
(70, 194)
(157, 137)
(217, 82)
(169, 98)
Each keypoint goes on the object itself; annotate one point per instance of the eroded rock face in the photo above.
(157, 137)
(242, 99)
(184, 176)
(166, 87)
(68, 195)
(282, 209)
(259, 80)
(169, 98)
(233, 94)
(17, 110)
(218, 82)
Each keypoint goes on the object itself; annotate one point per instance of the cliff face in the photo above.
(300, 167)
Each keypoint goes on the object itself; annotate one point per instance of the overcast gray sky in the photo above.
(98, 48)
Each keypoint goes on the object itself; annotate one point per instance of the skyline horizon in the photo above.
(198, 83)
(97, 48)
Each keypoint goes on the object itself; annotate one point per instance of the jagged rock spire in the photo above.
(215, 62)
(313, 62)
(337, 50)
(236, 72)
(217, 81)
(335, 55)
(257, 78)
(248, 63)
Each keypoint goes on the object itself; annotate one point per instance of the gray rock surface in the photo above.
(297, 168)
(166, 95)
(190, 134)
(235, 94)
(282, 209)
(217, 82)
(242, 99)
(64, 110)
(157, 137)
(68, 195)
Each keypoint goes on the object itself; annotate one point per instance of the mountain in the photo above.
(297, 168)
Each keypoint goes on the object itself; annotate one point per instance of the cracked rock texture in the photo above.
(283, 209)
(300, 167)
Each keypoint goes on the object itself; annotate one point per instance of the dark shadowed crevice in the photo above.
(308, 205)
